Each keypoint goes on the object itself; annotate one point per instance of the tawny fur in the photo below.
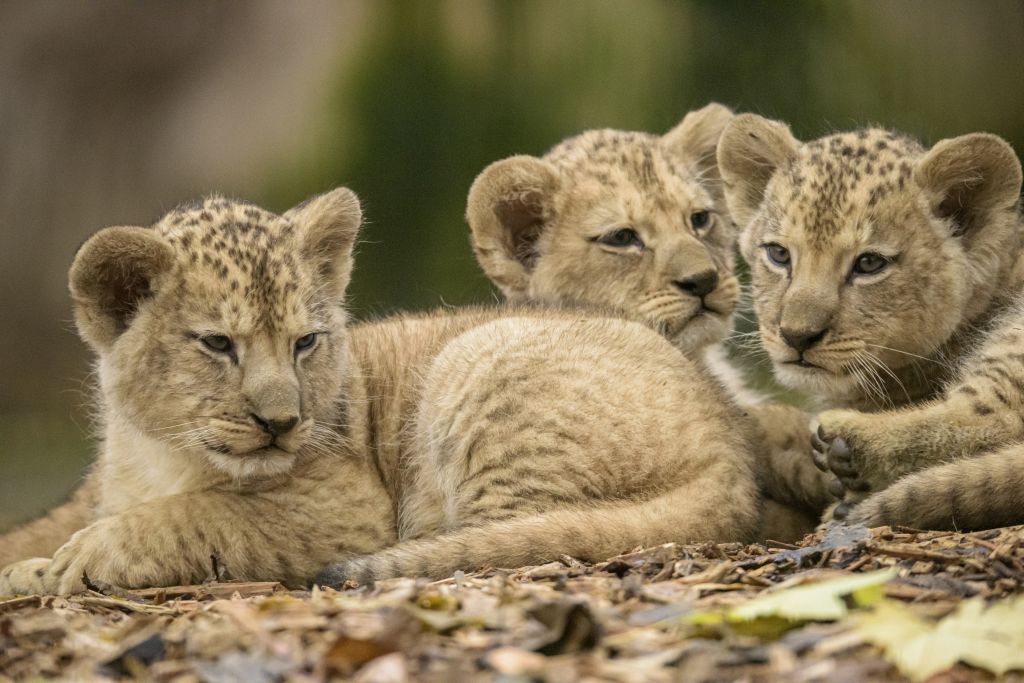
(536, 226)
(410, 427)
(920, 361)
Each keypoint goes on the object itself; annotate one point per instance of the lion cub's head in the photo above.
(868, 252)
(220, 330)
(627, 221)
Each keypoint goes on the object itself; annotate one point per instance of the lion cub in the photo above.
(244, 418)
(888, 278)
(637, 224)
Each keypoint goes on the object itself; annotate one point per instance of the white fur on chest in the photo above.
(136, 468)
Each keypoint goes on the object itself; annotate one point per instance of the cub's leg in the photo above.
(971, 493)
(981, 411)
(786, 472)
(692, 512)
(170, 541)
(43, 535)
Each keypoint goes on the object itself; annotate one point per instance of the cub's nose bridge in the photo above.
(807, 315)
(687, 261)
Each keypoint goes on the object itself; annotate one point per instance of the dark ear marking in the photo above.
(113, 272)
(695, 140)
(970, 177)
(510, 205)
(750, 151)
(328, 225)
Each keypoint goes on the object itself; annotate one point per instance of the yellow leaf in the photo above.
(818, 601)
(990, 639)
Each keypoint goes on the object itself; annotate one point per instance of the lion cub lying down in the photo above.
(637, 224)
(245, 418)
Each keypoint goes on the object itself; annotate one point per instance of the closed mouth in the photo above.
(801, 363)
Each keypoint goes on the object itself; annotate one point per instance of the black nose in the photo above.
(276, 427)
(699, 285)
(801, 340)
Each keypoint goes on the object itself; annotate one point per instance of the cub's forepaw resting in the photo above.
(853, 446)
(24, 578)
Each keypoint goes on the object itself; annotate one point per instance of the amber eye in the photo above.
(870, 263)
(700, 219)
(218, 343)
(777, 254)
(621, 238)
(306, 342)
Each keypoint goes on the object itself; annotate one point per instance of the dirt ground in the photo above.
(658, 614)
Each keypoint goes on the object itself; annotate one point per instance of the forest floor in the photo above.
(850, 604)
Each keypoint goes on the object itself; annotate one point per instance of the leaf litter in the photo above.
(846, 604)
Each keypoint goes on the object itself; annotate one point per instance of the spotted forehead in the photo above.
(246, 255)
(625, 161)
(841, 176)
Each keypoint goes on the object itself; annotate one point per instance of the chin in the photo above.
(263, 462)
(701, 331)
(816, 381)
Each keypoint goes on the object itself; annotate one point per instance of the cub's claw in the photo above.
(819, 449)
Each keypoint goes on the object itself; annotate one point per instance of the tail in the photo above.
(982, 492)
(42, 536)
(687, 514)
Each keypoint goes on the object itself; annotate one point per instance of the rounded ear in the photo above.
(509, 205)
(969, 177)
(750, 150)
(695, 139)
(327, 225)
(114, 271)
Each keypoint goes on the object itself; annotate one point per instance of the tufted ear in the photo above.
(114, 271)
(328, 224)
(969, 177)
(510, 204)
(695, 139)
(749, 152)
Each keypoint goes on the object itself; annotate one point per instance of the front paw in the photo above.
(94, 552)
(852, 446)
(28, 577)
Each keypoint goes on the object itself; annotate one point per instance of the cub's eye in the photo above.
(700, 219)
(218, 343)
(777, 254)
(621, 238)
(306, 342)
(870, 263)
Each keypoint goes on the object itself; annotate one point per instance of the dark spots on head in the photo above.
(982, 409)
(40, 572)
(206, 216)
(881, 144)
(968, 390)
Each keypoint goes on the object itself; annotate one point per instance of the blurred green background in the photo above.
(111, 112)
